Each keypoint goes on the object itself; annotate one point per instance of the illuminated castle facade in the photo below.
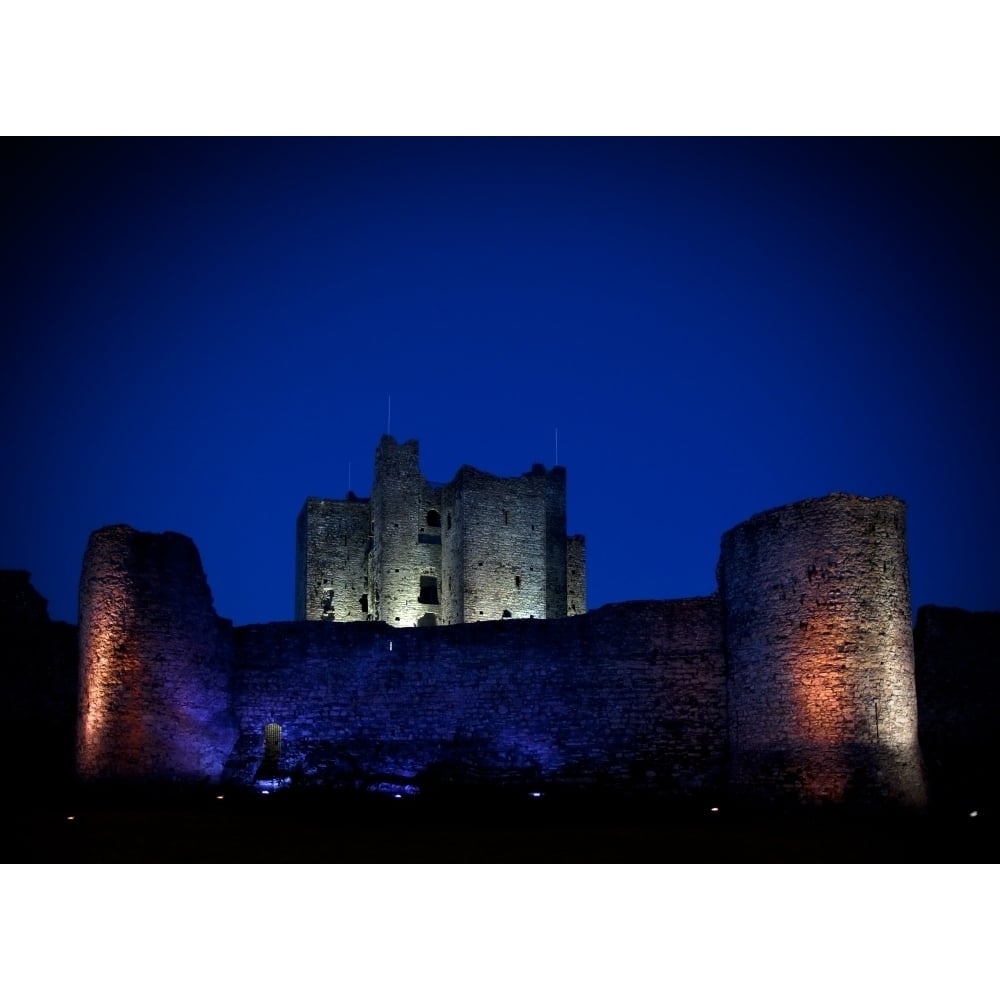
(794, 681)
(478, 548)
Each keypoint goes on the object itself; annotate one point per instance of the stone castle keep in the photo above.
(794, 681)
(418, 553)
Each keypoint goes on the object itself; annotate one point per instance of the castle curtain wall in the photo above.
(631, 695)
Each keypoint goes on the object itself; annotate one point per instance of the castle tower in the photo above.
(495, 534)
(405, 566)
(822, 701)
(478, 548)
(154, 661)
(332, 544)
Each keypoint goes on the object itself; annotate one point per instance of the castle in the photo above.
(795, 681)
(420, 553)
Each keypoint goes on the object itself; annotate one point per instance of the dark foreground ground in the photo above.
(168, 826)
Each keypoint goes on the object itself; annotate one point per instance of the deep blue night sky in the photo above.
(200, 334)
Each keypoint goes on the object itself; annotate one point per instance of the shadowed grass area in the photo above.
(146, 826)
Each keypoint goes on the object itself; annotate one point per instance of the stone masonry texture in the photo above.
(479, 548)
(331, 555)
(155, 661)
(629, 696)
(822, 697)
(794, 683)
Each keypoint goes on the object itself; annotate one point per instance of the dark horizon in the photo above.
(203, 333)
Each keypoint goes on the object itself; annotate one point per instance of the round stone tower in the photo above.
(816, 611)
(154, 661)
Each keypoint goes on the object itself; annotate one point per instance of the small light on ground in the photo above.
(220, 797)
(397, 796)
(264, 791)
(714, 809)
(70, 817)
(974, 813)
(536, 795)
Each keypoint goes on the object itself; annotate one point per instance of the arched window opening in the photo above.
(433, 519)
(506, 614)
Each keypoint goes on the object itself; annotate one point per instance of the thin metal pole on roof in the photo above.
(557, 446)
(388, 415)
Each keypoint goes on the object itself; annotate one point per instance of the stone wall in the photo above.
(503, 545)
(795, 682)
(155, 661)
(331, 560)
(816, 606)
(478, 548)
(632, 695)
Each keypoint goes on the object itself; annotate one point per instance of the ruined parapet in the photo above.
(502, 524)
(154, 661)
(816, 603)
(332, 540)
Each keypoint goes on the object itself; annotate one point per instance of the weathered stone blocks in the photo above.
(479, 548)
(816, 611)
(795, 681)
(632, 695)
(155, 661)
